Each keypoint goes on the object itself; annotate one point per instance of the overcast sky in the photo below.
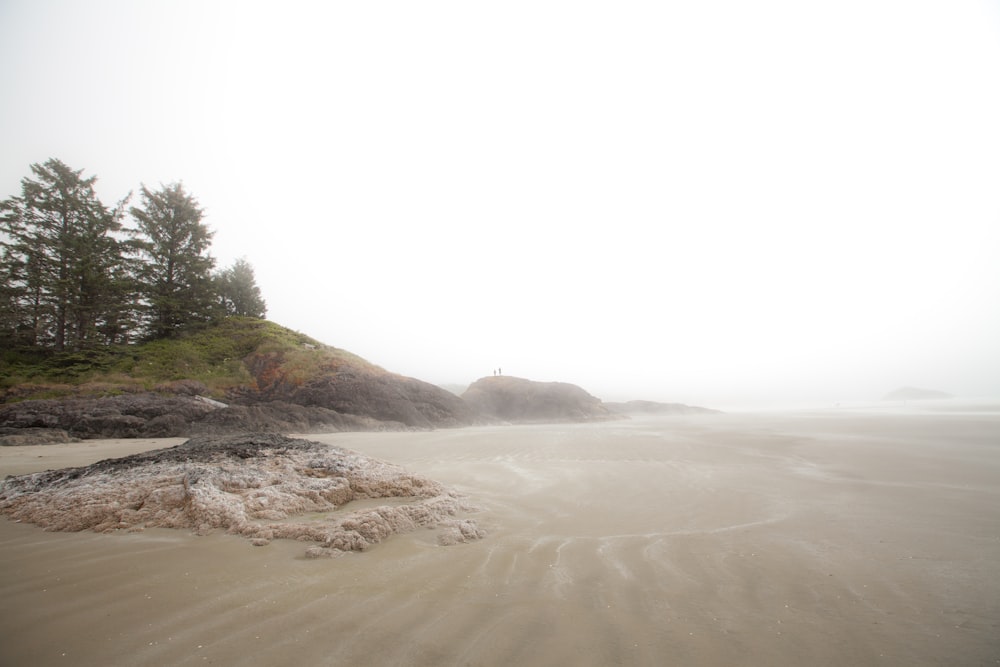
(708, 202)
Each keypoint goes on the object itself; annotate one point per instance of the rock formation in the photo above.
(257, 486)
(153, 415)
(264, 378)
(513, 399)
(349, 385)
(19, 437)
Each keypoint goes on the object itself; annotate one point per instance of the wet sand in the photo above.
(827, 538)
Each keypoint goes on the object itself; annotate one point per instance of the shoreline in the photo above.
(753, 539)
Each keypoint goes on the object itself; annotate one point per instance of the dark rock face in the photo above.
(19, 437)
(126, 416)
(515, 399)
(355, 389)
(389, 398)
(150, 415)
(655, 408)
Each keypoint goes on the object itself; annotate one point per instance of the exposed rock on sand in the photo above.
(515, 399)
(261, 486)
(655, 408)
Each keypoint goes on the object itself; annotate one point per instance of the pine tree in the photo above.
(175, 275)
(238, 291)
(59, 259)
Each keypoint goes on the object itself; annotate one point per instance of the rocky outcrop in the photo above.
(152, 415)
(19, 437)
(655, 408)
(258, 486)
(512, 399)
(356, 388)
(385, 397)
(281, 417)
(265, 377)
(126, 416)
(915, 394)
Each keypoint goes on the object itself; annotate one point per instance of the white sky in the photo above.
(708, 202)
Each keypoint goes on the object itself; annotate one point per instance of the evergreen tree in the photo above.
(59, 259)
(175, 275)
(238, 291)
(12, 297)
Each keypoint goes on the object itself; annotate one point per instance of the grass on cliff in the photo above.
(215, 356)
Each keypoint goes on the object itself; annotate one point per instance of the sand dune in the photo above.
(823, 539)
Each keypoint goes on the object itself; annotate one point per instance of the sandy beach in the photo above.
(806, 538)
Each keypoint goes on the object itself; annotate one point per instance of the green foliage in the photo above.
(73, 278)
(238, 291)
(175, 276)
(46, 367)
(60, 262)
(77, 289)
(213, 356)
(216, 356)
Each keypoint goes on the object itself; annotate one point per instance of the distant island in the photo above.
(915, 394)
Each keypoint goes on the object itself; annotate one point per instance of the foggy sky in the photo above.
(713, 202)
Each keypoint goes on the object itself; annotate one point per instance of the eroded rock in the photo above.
(19, 437)
(260, 486)
(154, 415)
